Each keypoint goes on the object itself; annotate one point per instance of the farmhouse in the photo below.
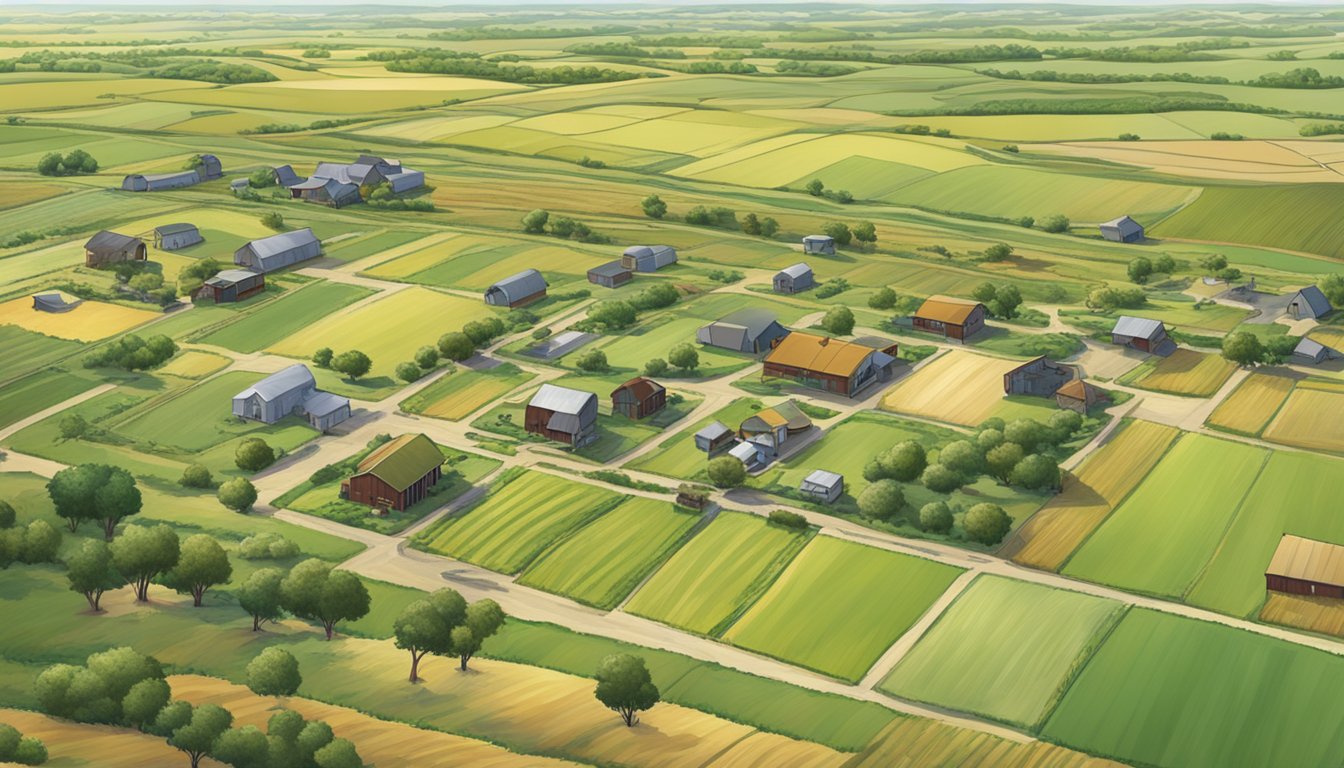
(747, 330)
(831, 365)
(750, 454)
(1078, 396)
(285, 175)
(1306, 567)
(638, 397)
(953, 318)
(336, 194)
(562, 414)
(821, 244)
(55, 301)
(1041, 377)
(714, 437)
(232, 285)
(1122, 230)
(278, 251)
(794, 279)
(1142, 334)
(172, 237)
(157, 182)
(613, 274)
(369, 171)
(526, 287)
(396, 475)
(292, 390)
(1312, 352)
(111, 247)
(823, 486)
(648, 258)
(1308, 304)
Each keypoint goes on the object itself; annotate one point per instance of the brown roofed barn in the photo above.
(953, 318)
(397, 474)
(638, 397)
(1306, 567)
(111, 247)
(832, 365)
(1078, 396)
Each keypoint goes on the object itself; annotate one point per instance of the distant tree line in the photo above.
(472, 65)
(1301, 78)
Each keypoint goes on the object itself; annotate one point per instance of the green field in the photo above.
(709, 582)
(1168, 691)
(1005, 650)
(39, 391)
(1293, 217)
(677, 456)
(853, 615)
(601, 563)
(1159, 539)
(283, 316)
(464, 391)
(31, 351)
(518, 521)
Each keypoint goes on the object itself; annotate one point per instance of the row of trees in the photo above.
(353, 363)
(76, 162)
(443, 624)
(540, 221)
(132, 353)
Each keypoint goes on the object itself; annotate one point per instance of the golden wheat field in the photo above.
(75, 745)
(90, 321)
(960, 387)
(1248, 409)
(1187, 372)
(1312, 417)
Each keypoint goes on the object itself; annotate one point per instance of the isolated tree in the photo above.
(684, 356)
(935, 516)
(769, 227)
(999, 252)
(962, 457)
(535, 221)
(838, 320)
(253, 455)
(426, 626)
(245, 747)
(456, 346)
(409, 372)
(274, 672)
(883, 299)
(881, 500)
(726, 472)
(940, 479)
(864, 232)
(201, 564)
(142, 554)
(261, 596)
(94, 492)
(592, 361)
(1056, 224)
(203, 726)
(72, 426)
(483, 620)
(654, 207)
(91, 572)
(144, 701)
(1036, 472)
(839, 232)
(986, 523)
(353, 364)
(314, 591)
(237, 494)
(1001, 459)
(427, 357)
(751, 224)
(273, 220)
(655, 367)
(322, 357)
(1140, 269)
(625, 686)
(196, 476)
(815, 187)
(1243, 348)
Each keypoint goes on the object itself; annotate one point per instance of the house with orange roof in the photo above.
(953, 318)
(831, 365)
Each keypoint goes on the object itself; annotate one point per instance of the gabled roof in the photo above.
(562, 399)
(1308, 560)
(746, 452)
(645, 251)
(767, 419)
(1124, 224)
(231, 276)
(821, 354)
(641, 388)
(1136, 327)
(1316, 300)
(818, 239)
(323, 403)
(402, 461)
(823, 478)
(280, 383)
(797, 270)
(610, 269)
(798, 420)
(108, 241)
(521, 285)
(1309, 348)
(756, 321)
(1079, 390)
(714, 431)
(285, 175)
(285, 241)
(174, 229)
(945, 309)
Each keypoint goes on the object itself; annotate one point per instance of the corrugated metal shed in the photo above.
(515, 288)
(1136, 327)
(280, 383)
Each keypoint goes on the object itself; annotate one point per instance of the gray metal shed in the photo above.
(822, 244)
(276, 396)
(157, 182)
(713, 437)
(823, 485)
(517, 290)
(1122, 230)
(285, 175)
(648, 258)
(564, 414)
(171, 237)
(278, 251)
(1309, 303)
(794, 279)
(748, 330)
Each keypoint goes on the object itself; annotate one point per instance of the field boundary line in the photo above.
(685, 539)
(1084, 658)
(898, 650)
(1231, 522)
(45, 413)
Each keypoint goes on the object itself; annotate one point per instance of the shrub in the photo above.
(655, 367)
(838, 231)
(535, 221)
(904, 461)
(940, 479)
(654, 207)
(75, 163)
(196, 476)
(237, 494)
(839, 321)
(132, 353)
(72, 426)
(999, 252)
(409, 372)
(456, 346)
(884, 299)
(881, 500)
(322, 357)
(1036, 472)
(986, 523)
(254, 455)
(592, 361)
(273, 220)
(787, 519)
(353, 364)
(427, 357)
(935, 516)
(726, 472)
(267, 546)
(1057, 223)
(684, 356)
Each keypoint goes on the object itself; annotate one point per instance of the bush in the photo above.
(322, 357)
(838, 231)
(1036, 472)
(353, 364)
(904, 461)
(541, 333)
(237, 494)
(999, 252)
(655, 367)
(456, 346)
(986, 524)
(14, 748)
(684, 356)
(409, 372)
(723, 218)
(196, 476)
(884, 299)
(654, 207)
(267, 546)
(726, 472)
(132, 353)
(839, 321)
(427, 357)
(881, 500)
(72, 426)
(253, 455)
(613, 315)
(273, 220)
(940, 479)
(592, 361)
(535, 221)
(787, 519)
(75, 163)
(935, 516)
(1058, 223)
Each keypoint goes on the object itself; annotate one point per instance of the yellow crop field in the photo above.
(90, 321)
(1103, 481)
(572, 123)
(743, 153)
(380, 742)
(434, 128)
(344, 96)
(1187, 372)
(1312, 418)
(390, 263)
(1253, 404)
(960, 387)
(194, 364)
(762, 750)
(700, 133)
(1315, 614)
(911, 741)
(389, 330)
(1249, 160)
(72, 744)
(15, 195)
(81, 93)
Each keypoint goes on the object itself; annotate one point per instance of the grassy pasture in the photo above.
(1251, 406)
(24, 397)
(655, 338)
(1005, 650)
(1159, 539)
(1294, 217)
(1311, 418)
(338, 96)
(90, 321)
(28, 351)
(277, 319)
(960, 388)
(601, 563)
(193, 364)
(853, 615)
(718, 574)
(464, 391)
(1104, 479)
(1183, 372)
(1159, 692)
(518, 521)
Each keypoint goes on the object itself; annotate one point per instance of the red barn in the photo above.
(638, 397)
(953, 318)
(1306, 567)
(397, 474)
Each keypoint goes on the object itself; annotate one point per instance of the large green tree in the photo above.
(314, 591)
(91, 572)
(193, 730)
(142, 554)
(94, 492)
(426, 626)
(484, 618)
(201, 564)
(625, 686)
(261, 596)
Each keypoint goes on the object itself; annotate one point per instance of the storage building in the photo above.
(562, 414)
(278, 251)
(526, 287)
(1078, 396)
(1040, 377)
(210, 167)
(1122, 230)
(55, 301)
(397, 474)
(953, 318)
(819, 244)
(291, 391)
(173, 237)
(714, 437)
(794, 279)
(158, 182)
(1306, 567)
(231, 285)
(112, 247)
(748, 330)
(336, 194)
(613, 274)
(1142, 334)
(767, 428)
(285, 175)
(823, 486)
(831, 365)
(638, 397)
(751, 455)
(648, 258)
(1308, 304)
(1311, 352)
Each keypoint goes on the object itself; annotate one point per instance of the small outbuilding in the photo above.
(526, 287)
(819, 244)
(291, 391)
(648, 258)
(1122, 230)
(1302, 566)
(750, 454)
(231, 285)
(1311, 352)
(767, 428)
(55, 301)
(237, 186)
(953, 318)
(285, 175)
(397, 474)
(1078, 396)
(278, 251)
(714, 438)
(823, 486)
(210, 167)
(173, 237)
(638, 397)
(405, 180)
(158, 182)
(1040, 377)
(794, 279)
(831, 365)
(1143, 334)
(1308, 304)
(336, 194)
(747, 330)
(562, 414)
(613, 274)
(561, 344)
(109, 247)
